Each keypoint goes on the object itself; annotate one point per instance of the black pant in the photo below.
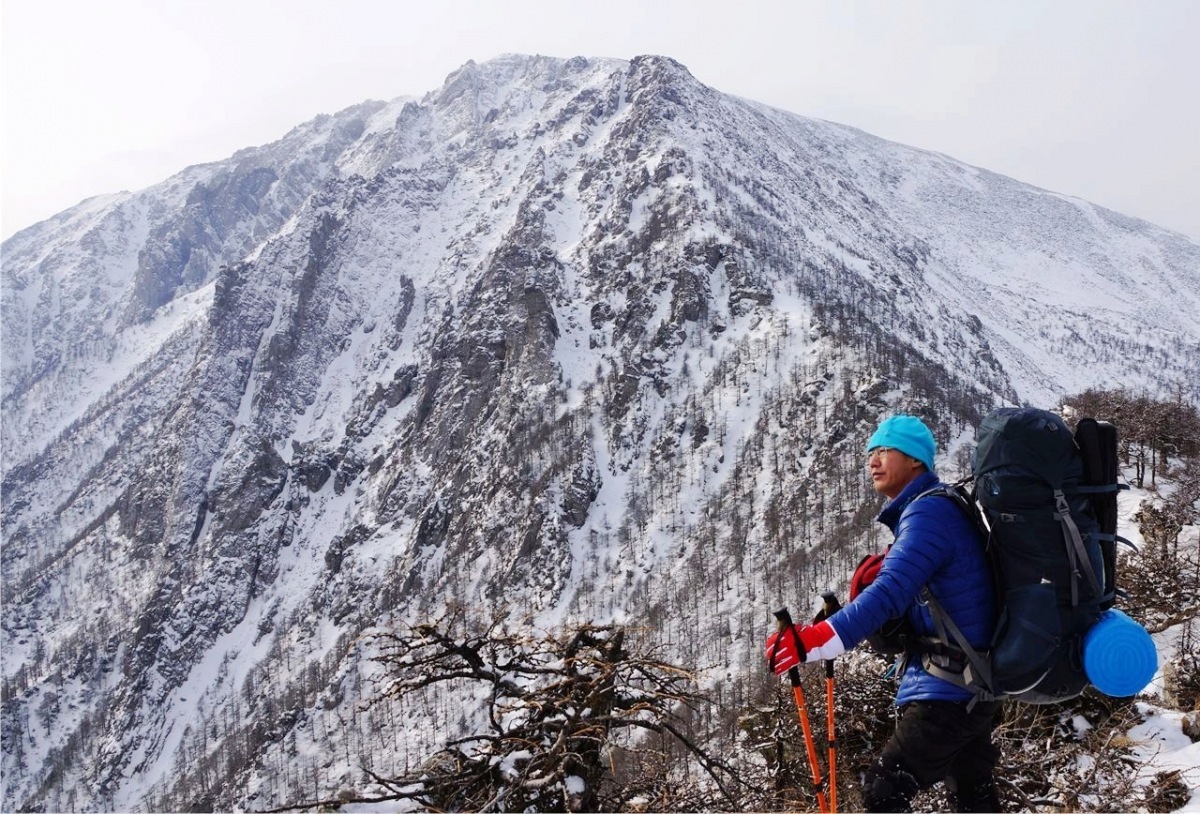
(936, 740)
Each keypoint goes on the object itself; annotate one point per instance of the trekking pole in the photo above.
(828, 609)
(785, 623)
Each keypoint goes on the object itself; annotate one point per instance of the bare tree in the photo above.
(574, 722)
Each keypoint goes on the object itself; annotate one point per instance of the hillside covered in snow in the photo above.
(569, 340)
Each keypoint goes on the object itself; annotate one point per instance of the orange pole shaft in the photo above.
(785, 623)
(832, 737)
(802, 708)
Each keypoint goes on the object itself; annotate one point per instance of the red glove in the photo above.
(819, 641)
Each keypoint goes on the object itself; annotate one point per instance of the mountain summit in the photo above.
(575, 339)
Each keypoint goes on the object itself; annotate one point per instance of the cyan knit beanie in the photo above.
(909, 435)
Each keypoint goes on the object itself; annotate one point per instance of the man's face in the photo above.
(891, 470)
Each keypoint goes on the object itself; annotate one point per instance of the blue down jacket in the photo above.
(938, 546)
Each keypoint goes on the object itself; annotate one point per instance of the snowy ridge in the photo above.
(577, 339)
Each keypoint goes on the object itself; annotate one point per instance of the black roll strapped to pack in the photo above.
(1097, 441)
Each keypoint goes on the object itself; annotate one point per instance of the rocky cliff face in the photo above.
(578, 339)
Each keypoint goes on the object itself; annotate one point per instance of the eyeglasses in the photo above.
(877, 454)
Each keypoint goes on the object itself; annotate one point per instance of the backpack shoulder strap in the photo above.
(977, 674)
(958, 493)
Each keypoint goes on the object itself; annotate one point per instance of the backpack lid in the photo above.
(1029, 439)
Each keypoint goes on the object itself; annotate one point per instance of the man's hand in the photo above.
(787, 648)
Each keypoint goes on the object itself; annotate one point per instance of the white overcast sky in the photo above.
(1094, 98)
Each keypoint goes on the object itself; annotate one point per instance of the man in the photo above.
(941, 734)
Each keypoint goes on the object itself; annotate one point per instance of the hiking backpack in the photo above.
(1045, 501)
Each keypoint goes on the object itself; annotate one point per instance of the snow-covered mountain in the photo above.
(579, 339)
